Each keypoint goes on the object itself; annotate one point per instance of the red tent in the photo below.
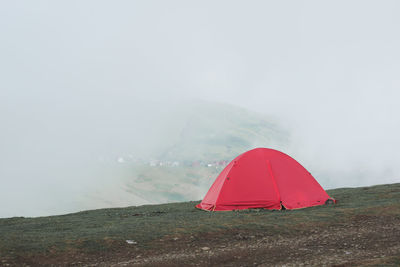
(264, 178)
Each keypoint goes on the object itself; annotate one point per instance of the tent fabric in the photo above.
(263, 178)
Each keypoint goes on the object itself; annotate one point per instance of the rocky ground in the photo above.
(363, 241)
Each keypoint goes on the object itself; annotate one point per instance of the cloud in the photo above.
(80, 80)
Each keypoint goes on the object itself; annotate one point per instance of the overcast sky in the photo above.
(73, 73)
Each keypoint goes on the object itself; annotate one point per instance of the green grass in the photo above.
(107, 229)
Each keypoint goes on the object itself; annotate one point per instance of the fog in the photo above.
(84, 80)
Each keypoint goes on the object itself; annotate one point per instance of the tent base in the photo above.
(271, 206)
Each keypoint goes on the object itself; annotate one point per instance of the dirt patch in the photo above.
(366, 239)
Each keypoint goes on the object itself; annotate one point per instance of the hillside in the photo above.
(213, 131)
(362, 229)
(198, 140)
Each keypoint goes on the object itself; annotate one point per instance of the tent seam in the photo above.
(219, 193)
(227, 175)
(275, 184)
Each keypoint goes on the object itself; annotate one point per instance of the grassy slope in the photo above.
(178, 183)
(104, 231)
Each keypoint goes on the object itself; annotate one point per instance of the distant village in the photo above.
(167, 163)
(221, 163)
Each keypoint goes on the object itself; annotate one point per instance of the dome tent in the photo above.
(264, 178)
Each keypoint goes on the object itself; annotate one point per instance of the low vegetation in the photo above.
(364, 219)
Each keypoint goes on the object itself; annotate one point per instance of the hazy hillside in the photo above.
(199, 141)
(362, 229)
(214, 131)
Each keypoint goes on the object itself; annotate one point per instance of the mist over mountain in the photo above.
(216, 131)
(93, 93)
(188, 145)
(207, 136)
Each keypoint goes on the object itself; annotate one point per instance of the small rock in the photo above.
(205, 248)
(347, 252)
